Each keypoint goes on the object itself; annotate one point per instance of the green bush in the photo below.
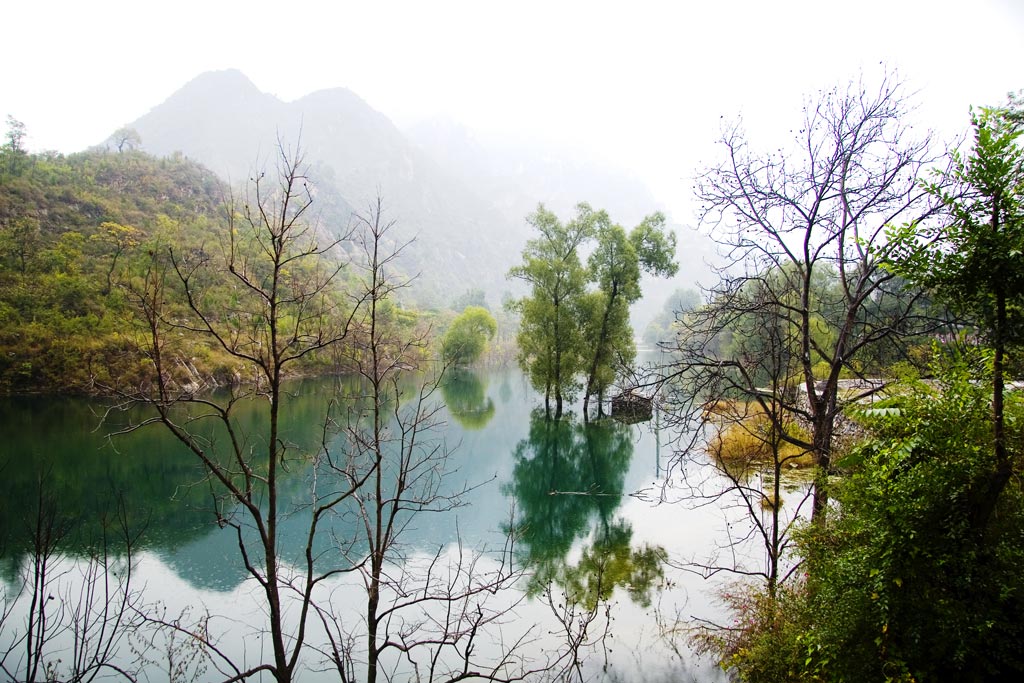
(468, 335)
(900, 586)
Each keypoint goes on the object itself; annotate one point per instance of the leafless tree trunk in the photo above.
(427, 617)
(806, 229)
(283, 307)
(754, 438)
(425, 614)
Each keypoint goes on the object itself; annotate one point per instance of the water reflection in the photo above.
(165, 489)
(569, 475)
(54, 445)
(61, 445)
(567, 480)
(465, 395)
(569, 484)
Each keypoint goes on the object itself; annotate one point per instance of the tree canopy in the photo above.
(467, 337)
(550, 338)
(974, 260)
(569, 330)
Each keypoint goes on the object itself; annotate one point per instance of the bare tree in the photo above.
(282, 307)
(754, 442)
(69, 618)
(180, 648)
(805, 230)
(427, 616)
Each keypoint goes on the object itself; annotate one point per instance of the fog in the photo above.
(633, 97)
(641, 87)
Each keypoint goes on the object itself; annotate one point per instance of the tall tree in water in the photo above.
(616, 266)
(550, 336)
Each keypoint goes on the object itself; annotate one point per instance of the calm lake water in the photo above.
(576, 493)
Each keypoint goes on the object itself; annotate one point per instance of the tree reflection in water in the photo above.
(568, 484)
(465, 395)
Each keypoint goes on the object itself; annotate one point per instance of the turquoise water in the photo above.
(580, 501)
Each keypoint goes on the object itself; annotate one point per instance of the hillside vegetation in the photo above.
(81, 239)
(71, 227)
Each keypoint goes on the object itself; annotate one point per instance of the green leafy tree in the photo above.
(126, 138)
(901, 585)
(567, 330)
(975, 262)
(616, 266)
(467, 337)
(550, 337)
(14, 153)
(20, 241)
(117, 239)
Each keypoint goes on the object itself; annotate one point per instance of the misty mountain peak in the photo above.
(336, 98)
(457, 193)
(224, 83)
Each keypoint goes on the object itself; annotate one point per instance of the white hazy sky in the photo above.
(641, 84)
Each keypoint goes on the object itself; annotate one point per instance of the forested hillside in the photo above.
(71, 228)
(96, 246)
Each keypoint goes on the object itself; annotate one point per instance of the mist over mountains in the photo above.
(515, 174)
(463, 199)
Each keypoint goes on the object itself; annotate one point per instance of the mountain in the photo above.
(464, 197)
(222, 120)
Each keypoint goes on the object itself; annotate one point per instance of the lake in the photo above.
(583, 500)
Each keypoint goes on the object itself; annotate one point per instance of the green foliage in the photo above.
(975, 261)
(612, 562)
(13, 156)
(911, 590)
(567, 329)
(125, 139)
(615, 266)
(976, 257)
(899, 585)
(72, 229)
(471, 297)
(550, 339)
(662, 327)
(766, 642)
(655, 248)
(467, 337)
